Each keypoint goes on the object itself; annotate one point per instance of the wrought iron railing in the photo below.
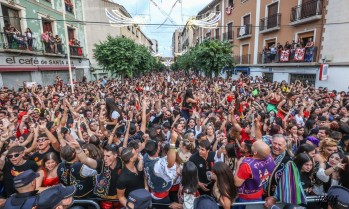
(76, 51)
(244, 30)
(288, 56)
(306, 10)
(229, 36)
(243, 59)
(270, 22)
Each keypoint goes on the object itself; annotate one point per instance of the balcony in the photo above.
(69, 7)
(299, 55)
(76, 51)
(244, 31)
(307, 12)
(270, 23)
(243, 59)
(229, 36)
(56, 48)
(16, 41)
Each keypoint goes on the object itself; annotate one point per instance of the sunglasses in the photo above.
(13, 156)
(42, 139)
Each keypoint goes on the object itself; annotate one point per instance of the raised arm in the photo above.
(92, 163)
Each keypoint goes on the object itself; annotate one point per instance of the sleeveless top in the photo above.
(48, 182)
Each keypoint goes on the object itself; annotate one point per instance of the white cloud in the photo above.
(164, 33)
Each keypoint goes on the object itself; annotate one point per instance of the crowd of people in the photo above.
(176, 139)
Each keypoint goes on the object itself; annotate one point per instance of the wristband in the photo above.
(172, 146)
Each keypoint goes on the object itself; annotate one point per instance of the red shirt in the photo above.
(244, 172)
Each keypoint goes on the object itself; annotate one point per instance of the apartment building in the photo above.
(28, 56)
(176, 42)
(258, 29)
(98, 28)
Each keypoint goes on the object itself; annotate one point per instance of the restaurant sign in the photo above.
(27, 60)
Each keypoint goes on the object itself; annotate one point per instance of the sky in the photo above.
(180, 13)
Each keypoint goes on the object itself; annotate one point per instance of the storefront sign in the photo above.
(24, 60)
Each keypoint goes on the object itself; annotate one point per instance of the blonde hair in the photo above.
(327, 142)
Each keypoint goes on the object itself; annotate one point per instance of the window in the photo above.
(270, 42)
(46, 25)
(71, 33)
(128, 28)
(311, 78)
(231, 3)
(217, 34)
(272, 15)
(268, 77)
(11, 17)
(230, 31)
(133, 30)
(305, 37)
(247, 19)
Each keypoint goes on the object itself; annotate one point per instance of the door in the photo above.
(79, 73)
(46, 26)
(247, 21)
(245, 56)
(309, 8)
(11, 17)
(272, 15)
(14, 80)
(71, 33)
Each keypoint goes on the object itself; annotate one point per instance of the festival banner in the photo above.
(299, 54)
(285, 56)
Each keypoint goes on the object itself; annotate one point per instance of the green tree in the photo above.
(209, 56)
(122, 56)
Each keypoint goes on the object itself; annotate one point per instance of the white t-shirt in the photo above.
(115, 115)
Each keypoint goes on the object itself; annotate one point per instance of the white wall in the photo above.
(337, 79)
(336, 36)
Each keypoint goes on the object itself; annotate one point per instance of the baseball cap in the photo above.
(25, 178)
(52, 196)
(338, 196)
(140, 198)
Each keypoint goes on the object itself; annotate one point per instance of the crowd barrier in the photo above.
(256, 204)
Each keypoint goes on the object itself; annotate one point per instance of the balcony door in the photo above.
(245, 56)
(309, 8)
(247, 22)
(11, 17)
(46, 25)
(272, 15)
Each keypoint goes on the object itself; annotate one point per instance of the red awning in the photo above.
(16, 68)
(54, 67)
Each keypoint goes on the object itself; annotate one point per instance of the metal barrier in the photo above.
(93, 202)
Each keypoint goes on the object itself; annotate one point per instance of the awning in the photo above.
(242, 69)
(54, 67)
(16, 68)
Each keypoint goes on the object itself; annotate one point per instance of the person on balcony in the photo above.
(52, 42)
(46, 39)
(272, 53)
(29, 37)
(309, 50)
(68, 6)
(58, 42)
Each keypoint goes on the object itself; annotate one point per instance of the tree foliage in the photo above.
(122, 56)
(208, 56)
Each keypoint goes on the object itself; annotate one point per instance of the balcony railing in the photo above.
(270, 23)
(76, 51)
(307, 11)
(244, 31)
(53, 48)
(69, 7)
(298, 55)
(17, 42)
(243, 59)
(229, 36)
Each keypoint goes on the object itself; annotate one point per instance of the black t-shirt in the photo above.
(37, 157)
(204, 166)
(114, 173)
(11, 171)
(130, 181)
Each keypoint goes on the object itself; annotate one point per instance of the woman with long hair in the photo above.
(185, 150)
(329, 172)
(305, 167)
(48, 172)
(286, 105)
(188, 103)
(188, 189)
(113, 113)
(224, 189)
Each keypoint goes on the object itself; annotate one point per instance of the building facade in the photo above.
(176, 42)
(39, 56)
(283, 40)
(95, 33)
